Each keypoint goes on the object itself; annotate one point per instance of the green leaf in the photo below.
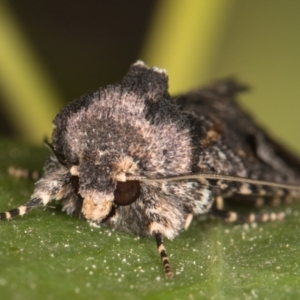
(49, 255)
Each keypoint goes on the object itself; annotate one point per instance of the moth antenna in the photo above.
(21, 210)
(231, 216)
(50, 147)
(217, 177)
(48, 144)
(163, 255)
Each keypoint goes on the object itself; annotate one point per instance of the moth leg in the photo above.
(231, 216)
(55, 185)
(23, 173)
(219, 203)
(21, 210)
(188, 221)
(260, 201)
(286, 199)
(163, 255)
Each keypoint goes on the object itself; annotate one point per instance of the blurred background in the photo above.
(51, 52)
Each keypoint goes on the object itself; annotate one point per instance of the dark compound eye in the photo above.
(126, 192)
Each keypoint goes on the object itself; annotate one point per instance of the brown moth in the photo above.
(133, 158)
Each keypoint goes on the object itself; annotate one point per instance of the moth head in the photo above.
(102, 183)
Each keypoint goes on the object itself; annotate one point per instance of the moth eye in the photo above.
(126, 192)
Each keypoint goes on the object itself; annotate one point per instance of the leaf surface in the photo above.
(49, 255)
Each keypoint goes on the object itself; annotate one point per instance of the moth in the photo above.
(131, 157)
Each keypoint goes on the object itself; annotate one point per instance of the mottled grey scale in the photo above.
(61, 120)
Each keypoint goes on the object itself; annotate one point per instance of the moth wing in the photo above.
(229, 141)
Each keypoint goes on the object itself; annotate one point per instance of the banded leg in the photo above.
(23, 173)
(231, 216)
(163, 255)
(260, 201)
(56, 185)
(21, 210)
